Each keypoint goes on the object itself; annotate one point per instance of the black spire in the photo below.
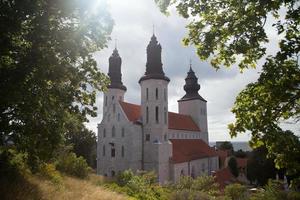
(114, 71)
(154, 68)
(191, 87)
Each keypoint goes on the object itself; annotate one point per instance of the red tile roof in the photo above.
(224, 177)
(182, 122)
(132, 111)
(176, 121)
(241, 162)
(185, 150)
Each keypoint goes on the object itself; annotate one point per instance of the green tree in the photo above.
(47, 71)
(229, 32)
(84, 144)
(232, 164)
(226, 146)
(259, 167)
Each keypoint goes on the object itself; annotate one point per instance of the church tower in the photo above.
(116, 89)
(154, 104)
(193, 104)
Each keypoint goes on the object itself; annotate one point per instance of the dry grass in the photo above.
(71, 188)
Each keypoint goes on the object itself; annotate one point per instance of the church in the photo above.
(149, 137)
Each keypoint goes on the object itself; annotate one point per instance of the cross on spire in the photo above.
(153, 29)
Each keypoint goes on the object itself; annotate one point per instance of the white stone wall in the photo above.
(195, 168)
(130, 139)
(184, 134)
(158, 149)
(197, 109)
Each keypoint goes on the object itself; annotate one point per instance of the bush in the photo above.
(70, 164)
(236, 192)
(143, 186)
(203, 186)
(49, 171)
(232, 164)
(12, 164)
(272, 191)
(293, 195)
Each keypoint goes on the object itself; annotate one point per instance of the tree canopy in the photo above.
(228, 32)
(47, 71)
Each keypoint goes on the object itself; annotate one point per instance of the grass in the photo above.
(35, 187)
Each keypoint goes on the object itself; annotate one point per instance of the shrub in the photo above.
(293, 195)
(272, 191)
(12, 164)
(70, 164)
(236, 192)
(49, 171)
(124, 177)
(143, 186)
(196, 187)
(232, 164)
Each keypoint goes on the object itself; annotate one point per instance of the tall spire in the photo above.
(154, 68)
(114, 71)
(191, 86)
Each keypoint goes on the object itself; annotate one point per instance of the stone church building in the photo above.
(148, 136)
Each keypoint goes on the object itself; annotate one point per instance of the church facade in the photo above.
(148, 136)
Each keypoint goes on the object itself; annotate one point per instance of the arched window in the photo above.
(147, 115)
(165, 115)
(113, 131)
(114, 107)
(147, 94)
(182, 172)
(165, 137)
(123, 132)
(104, 132)
(156, 93)
(122, 151)
(113, 97)
(165, 94)
(156, 114)
(113, 173)
(113, 152)
(105, 101)
(103, 150)
(119, 117)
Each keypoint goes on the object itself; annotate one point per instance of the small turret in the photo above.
(114, 71)
(154, 68)
(116, 89)
(191, 87)
(193, 104)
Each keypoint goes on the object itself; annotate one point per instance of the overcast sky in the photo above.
(133, 29)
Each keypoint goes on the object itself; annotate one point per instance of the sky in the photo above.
(133, 28)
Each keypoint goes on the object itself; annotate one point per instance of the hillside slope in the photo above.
(35, 187)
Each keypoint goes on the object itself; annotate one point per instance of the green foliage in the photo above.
(226, 145)
(241, 154)
(70, 164)
(49, 171)
(259, 167)
(229, 32)
(264, 104)
(236, 192)
(47, 71)
(232, 164)
(203, 187)
(124, 177)
(143, 186)
(273, 191)
(83, 141)
(12, 164)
